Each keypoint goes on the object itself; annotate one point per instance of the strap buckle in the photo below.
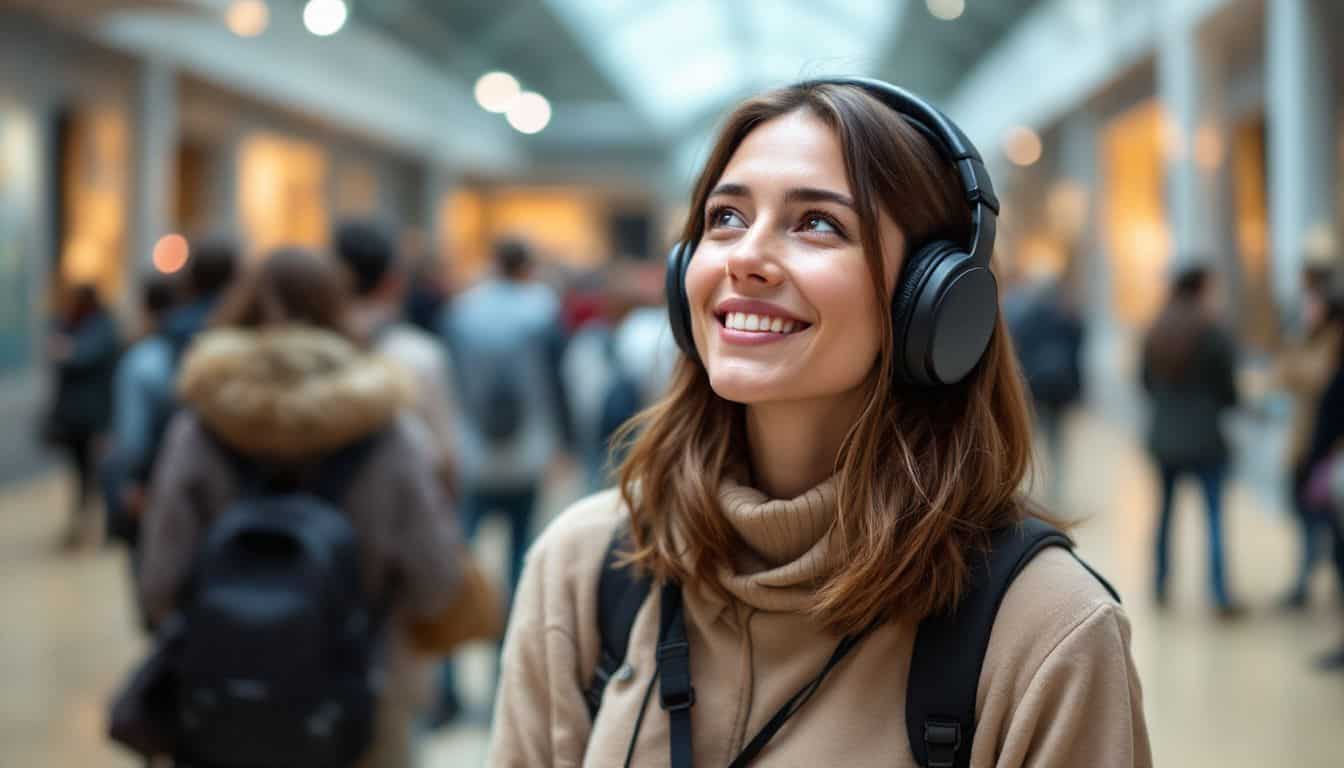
(674, 702)
(674, 667)
(942, 739)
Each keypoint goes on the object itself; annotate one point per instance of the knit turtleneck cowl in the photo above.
(790, 547)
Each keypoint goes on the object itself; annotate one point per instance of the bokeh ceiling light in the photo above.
(1022, 146)
(497, 91)
(325, 17)
(947, 10)
(248, 18)
(171, 253)
(530, 113)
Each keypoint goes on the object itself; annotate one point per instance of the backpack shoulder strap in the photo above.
(335, 472)
(950, 648)
(620, 593)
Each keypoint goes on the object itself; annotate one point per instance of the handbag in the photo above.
(143, 716)
(1324, 492)
(475, 613)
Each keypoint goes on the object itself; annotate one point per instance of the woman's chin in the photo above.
(749, 390)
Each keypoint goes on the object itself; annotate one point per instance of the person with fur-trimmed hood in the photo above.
(280, 378)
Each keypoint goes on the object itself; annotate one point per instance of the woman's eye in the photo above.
(817, 223)
(726, 217)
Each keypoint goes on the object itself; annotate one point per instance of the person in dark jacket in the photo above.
(1048, 333)
(1189, 372)
(83, 351)
(1305, 369)
(1326, 435)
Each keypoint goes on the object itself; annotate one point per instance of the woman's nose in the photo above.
(754, 260)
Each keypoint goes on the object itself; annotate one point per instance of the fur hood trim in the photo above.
(289, 393)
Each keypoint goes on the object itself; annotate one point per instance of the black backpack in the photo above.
(501, 415)
(944, 670)
(278, 665)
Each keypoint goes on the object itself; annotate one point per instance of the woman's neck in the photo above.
(794, 445)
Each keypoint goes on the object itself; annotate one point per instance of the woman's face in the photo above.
(782, 305)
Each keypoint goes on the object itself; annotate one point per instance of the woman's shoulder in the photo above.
(580, 534)
(1054, 598)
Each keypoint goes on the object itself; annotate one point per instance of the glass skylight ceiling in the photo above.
(677, 59)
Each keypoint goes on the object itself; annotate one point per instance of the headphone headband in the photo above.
(950, 142)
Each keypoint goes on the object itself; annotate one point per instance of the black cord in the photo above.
(639, 721)
(797, 701)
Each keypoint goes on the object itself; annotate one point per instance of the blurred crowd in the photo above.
(1192, 374)
(354, 381)
(358, 378)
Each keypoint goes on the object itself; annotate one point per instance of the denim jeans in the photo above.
(1315, 527)
(1210, 479)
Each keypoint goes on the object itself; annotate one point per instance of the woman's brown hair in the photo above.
(922, 476)
(289, 286)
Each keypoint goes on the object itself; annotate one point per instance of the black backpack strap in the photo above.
(328, 478)
(675, 692)
(950, 648)
(333, 475)
(620, 593)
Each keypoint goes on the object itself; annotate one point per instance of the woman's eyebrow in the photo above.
(731, 190)
(795, 195)
(815, 195)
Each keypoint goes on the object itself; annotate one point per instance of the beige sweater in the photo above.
(1058, 686)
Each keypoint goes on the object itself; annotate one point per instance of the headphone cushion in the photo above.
(678, 309)
(913, 278)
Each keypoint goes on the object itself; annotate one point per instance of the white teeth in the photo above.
(741, 321)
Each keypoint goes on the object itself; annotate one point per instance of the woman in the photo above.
(1322, 446)
(1304, 371)
(798, 491)
(281, 383)
(1189, 372)
(83, 351)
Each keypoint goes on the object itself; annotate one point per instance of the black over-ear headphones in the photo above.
(946, 301)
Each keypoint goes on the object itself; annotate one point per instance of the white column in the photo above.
(224, 205)
(1299, 111)
(1079, 174)
(156, 122)
(438, 184)
(1190, 86)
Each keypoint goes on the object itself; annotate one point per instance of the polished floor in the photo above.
(1231, 695)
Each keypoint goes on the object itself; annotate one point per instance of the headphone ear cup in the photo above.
(945, 313)
(678, 306)
(908, 334)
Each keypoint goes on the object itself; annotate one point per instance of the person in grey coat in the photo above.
(1189, 374)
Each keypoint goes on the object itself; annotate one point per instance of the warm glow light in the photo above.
(530, 113)
(248, 18)
(497, 91)
(324, 17)
(1208, 147)
(171, 253)
(946, 10)
(1066, 209)
(1022, 146)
